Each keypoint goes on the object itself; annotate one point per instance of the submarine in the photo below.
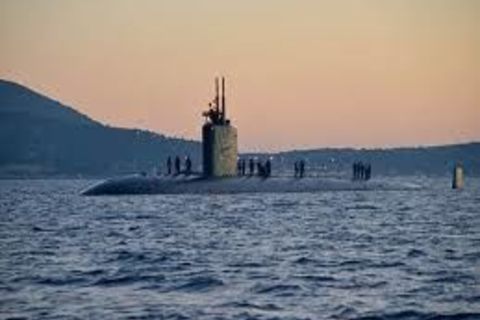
(220, 172)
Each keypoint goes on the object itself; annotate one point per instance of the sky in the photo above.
(300, 73)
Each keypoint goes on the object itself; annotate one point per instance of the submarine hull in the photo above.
(137, 184)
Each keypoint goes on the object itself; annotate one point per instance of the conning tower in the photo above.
(219, 138)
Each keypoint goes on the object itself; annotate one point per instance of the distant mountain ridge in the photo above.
(17, 99)
(40, 137)
(431, 161)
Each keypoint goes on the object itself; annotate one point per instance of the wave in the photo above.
(253, 306)
(414, 253)
(59, 280)
(314, 278)
(128, 279)
(277, 289)
(200, 284)
(363, 207)
(304, 260)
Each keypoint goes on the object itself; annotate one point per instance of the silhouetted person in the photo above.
(177, 165)
(188, 165)
(239, 167)
(357, 170)
(368, 172)
(243, 164)
(296, 169)
(251, 166)
(301, 168)
(169, 165)
(260, 169)
(268, 168)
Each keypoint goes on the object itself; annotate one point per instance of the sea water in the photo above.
(327, 255)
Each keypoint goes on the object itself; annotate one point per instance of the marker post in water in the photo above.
(458, 177)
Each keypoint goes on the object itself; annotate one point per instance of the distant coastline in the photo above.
(42, 138)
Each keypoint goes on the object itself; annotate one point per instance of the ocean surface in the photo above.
(328, 255)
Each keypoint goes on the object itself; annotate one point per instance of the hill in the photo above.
(430, 161)
(42, 137)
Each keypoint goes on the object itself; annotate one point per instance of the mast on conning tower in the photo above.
(217, 97)
(223, 114)
(216, 113)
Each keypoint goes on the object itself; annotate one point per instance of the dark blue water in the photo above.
(330, 255)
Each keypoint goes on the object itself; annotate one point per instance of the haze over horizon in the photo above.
(300, 74)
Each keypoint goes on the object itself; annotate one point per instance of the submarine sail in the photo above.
(219, 139)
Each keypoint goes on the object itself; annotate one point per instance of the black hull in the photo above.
(198, 185)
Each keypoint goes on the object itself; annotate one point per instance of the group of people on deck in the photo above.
(361, 171)
(299, 168)
(264, 169)
(175, 167)
(254, 167)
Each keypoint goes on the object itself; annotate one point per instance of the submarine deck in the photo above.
(137, 184)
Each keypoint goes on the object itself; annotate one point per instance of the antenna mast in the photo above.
(224, 116)
(217, 96)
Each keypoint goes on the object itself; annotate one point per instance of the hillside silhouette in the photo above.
(42, 137)
(428, 161)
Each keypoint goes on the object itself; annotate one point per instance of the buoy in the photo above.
(458, 177)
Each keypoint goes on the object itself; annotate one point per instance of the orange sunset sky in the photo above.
(300, 73)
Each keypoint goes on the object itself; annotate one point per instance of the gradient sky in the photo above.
(300, 73)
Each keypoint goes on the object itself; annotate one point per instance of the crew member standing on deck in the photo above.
(239, 167)
(268, 168)
(260, 169)
(188, 165)
(251, 166)
(177, 165)
(368, 172)
(301, 168)
(362, 171)
(169, 165)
